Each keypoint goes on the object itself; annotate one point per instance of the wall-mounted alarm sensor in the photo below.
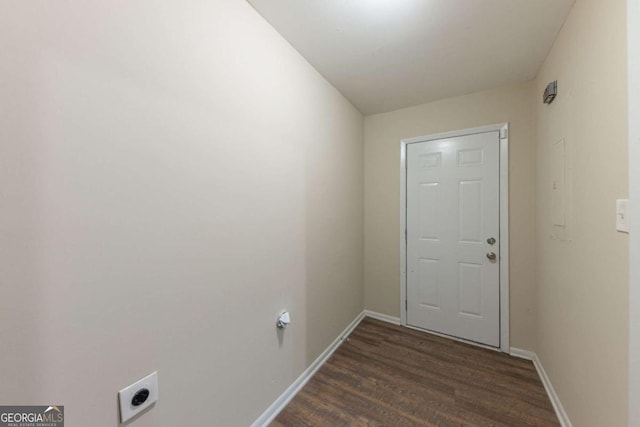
(550, 92)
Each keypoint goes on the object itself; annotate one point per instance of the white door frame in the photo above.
(503, 129)
(633, 54)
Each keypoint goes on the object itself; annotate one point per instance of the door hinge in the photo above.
(406, 304)
(504, 133)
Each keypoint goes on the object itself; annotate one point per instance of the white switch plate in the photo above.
(127, 410)
(622, 215)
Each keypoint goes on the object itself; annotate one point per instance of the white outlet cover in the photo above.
(127, 410)
(622, 215)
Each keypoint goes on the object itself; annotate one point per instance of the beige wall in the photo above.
(583, 270)
(172, 175)
(383, 132)
(633, 75)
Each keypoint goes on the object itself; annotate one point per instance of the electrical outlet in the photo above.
(138, 396)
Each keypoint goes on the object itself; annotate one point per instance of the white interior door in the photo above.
(453, 236)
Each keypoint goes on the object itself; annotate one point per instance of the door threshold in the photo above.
(454, 338)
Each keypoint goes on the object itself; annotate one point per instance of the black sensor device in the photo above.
(550, 92)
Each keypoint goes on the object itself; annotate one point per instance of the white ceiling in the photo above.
(389, 54)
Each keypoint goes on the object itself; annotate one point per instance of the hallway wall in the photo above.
(583, 283)
(172, 175)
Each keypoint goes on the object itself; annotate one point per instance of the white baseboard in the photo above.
(555, 400)
(522, 354)
(383, 317)
(272, 411)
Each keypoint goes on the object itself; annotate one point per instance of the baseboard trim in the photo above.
(383, 317)
(522, 354)
(272, 411)
(551, 392)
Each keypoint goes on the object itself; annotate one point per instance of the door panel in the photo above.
(429, 222)
(428, 293)
(470, 211)
(452, 209)
(470, 284)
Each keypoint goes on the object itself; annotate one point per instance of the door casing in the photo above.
(503, 129)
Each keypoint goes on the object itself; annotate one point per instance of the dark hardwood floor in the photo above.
(386, 375)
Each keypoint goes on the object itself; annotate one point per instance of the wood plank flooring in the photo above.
(387, 375)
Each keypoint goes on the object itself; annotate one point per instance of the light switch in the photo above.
(622, 215)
